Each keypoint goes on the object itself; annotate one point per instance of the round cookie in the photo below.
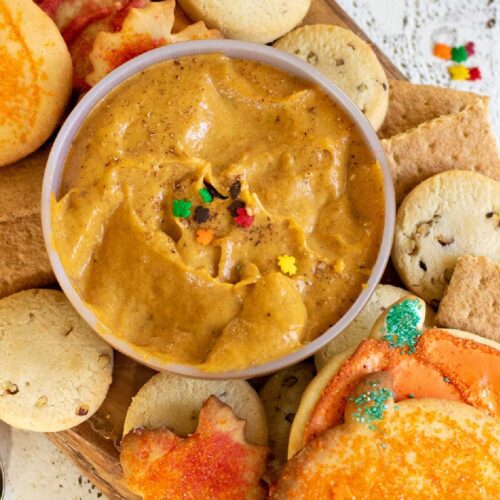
(348, 61)
(419, 448)
(281, 396)
(168, 400)
(449, 215)
(360, 328)
(260, 21)
(37, 80)
(54, 370)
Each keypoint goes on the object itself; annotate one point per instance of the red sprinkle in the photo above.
(470, 48)
(243, 219)
(475, 74)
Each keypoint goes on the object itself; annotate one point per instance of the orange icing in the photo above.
(20, 95)
(443, 366)
(410, 463)
(474, 367)
(214, 462)
(136, 44)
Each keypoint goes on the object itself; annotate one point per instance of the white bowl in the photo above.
(242, 50)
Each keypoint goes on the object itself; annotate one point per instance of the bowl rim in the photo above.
(287, 63)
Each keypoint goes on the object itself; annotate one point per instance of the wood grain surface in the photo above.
(93, 445)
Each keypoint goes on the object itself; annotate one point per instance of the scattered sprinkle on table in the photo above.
(182, 208)
(470, 48)
(204, 236)
(459, 72)
(459, 54)
(475, 74)
(287, 264)
(442, 51)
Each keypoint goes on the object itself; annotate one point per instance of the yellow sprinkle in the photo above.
(287, 264)
(459, 72)
(339, 266)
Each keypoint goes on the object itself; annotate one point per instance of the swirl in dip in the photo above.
(280, 150)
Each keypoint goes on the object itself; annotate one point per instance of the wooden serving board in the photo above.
(93, 445)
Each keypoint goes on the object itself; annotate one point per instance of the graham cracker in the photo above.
(23, 259)
(410, 105)
(472, 300)
(459, 141)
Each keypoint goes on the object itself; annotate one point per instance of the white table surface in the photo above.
(405, 30)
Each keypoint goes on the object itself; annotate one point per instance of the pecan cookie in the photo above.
(54, 370)
(449, 215)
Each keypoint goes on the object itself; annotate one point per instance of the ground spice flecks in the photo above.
(371, 405)
(402, 325)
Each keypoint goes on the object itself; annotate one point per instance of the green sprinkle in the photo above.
(402, 325)
(411, 396)
(205, 195)
(371, 406)
(459, 54)
(182, 208)
(447, 380)
(383, 446)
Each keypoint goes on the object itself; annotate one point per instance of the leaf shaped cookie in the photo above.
(143, 29)
(215, 462)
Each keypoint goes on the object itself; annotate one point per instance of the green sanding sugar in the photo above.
(402, 321)
(371, 405)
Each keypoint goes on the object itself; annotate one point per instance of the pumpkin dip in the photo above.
(218, 212)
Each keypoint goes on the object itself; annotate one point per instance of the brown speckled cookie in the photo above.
(173, 401)
(54, 370)
(347, 60)
(281, 396)
(449, 215)
(260, 21)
